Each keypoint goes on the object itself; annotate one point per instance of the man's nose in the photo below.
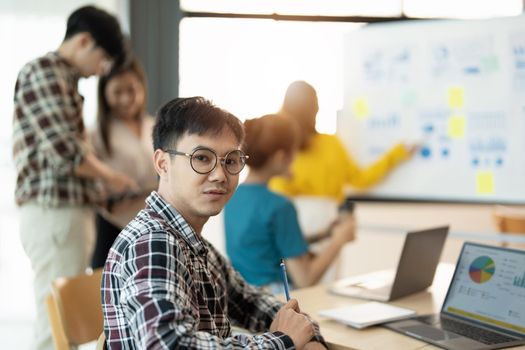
(219, 173)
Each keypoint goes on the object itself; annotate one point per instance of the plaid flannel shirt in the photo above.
(165, 287)
(48, 135)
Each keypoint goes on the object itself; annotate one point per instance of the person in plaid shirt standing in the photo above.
(56, 170)
(164, 286)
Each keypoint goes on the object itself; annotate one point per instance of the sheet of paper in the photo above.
(367, 314)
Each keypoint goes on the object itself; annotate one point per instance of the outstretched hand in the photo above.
(413, 148)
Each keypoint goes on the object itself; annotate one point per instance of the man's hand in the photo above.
(118, 182)
(413, 148)
(94, 168)
(291, 322)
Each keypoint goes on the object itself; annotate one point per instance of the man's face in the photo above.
(93, 60)
(199, 196)
(311, 107)
(307, 119)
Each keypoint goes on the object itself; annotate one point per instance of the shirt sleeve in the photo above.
(254, 309)
(157, 297)
(288, 236)
(363, 178)
(249, 307)
(50, 112)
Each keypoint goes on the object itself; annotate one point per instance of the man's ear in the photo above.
(160, 162)
(84, 39)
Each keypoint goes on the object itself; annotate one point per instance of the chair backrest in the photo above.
(101, 342)
(510, 219)
(75, 310)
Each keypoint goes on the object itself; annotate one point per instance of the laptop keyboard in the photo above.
(479, 334)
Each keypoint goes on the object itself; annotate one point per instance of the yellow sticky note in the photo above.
(484, 182)
(456, 127)
(360, 108)
(456, 96)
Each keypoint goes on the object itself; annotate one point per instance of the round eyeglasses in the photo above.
(203, 160)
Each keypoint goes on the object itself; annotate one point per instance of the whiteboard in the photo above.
(455, 87)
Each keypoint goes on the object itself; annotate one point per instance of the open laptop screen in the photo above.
(489, 287)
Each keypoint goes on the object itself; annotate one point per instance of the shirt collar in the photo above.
(176, 222)
(73, 72)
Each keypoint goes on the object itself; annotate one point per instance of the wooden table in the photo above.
(339, 336)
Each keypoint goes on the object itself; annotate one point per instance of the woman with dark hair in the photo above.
(261, 226)
(122, 140)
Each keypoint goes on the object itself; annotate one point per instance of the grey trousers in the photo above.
(59, 243)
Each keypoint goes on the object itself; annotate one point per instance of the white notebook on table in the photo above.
(367, 314)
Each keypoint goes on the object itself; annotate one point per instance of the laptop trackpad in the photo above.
(430, 332)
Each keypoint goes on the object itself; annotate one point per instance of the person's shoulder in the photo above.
(328, 141)
(148, 119)
(262, 192)
(144, 230)
(146, 243)
(148, 122)
(42, 62)
(94, 135)
(327, 138)
(279, 200)
(45, 69)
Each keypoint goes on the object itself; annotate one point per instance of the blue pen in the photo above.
(285, 281)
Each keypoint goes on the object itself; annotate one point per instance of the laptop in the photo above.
(415, 270)
(485, 303)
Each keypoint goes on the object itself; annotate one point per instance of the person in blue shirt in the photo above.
(262, 226)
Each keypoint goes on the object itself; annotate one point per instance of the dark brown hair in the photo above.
(267, 135)
(104, 116)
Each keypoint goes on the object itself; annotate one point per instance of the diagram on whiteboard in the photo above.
(454, 88)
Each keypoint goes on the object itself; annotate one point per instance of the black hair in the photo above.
(192, 115)
(103, 27)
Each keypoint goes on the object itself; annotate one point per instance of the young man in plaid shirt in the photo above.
(164, 286)
(55, 167)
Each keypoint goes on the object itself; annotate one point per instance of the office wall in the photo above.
(154, 30)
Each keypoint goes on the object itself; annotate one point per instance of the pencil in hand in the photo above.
(285, 280)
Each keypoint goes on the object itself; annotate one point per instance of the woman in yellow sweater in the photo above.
(322, 167)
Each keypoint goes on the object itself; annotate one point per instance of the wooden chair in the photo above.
(75, 311)
(509, 220)
(101, 342)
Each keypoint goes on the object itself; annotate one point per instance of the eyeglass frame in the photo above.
(217, 158)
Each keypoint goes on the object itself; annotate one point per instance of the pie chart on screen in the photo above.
(482, 269)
